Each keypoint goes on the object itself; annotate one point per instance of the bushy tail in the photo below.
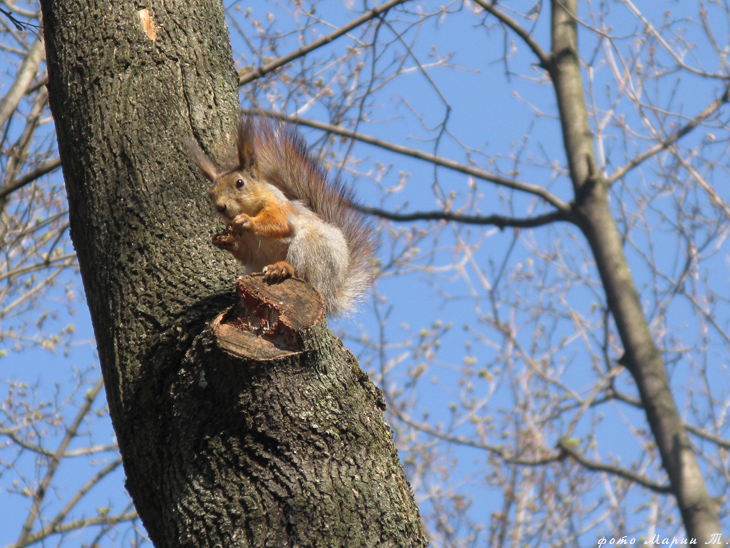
(284, 161)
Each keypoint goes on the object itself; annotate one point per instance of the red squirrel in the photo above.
(284, 216)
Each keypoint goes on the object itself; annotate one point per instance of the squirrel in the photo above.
(284, 216)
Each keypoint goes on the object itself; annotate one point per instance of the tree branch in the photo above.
(57, 521)
(413, 153)
(53, 463)
(649, 29)
(77, 526)
(669, 141)
(700, 433)
(46, 453)
(544, 58)
(497, 450)
(564, 446)
(246, 77)
(707, 436)
(23, 78)
(499, 221)
(28, 178)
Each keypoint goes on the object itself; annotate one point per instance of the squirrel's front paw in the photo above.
(278, 272)
(240, 224)
(224, 241)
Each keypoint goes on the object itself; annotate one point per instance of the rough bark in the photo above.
(642, 357)
(218, 449)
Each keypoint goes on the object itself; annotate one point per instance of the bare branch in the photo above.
(721, 442)
(700, 433)
(40, 492)
(669, 141)
(246, 77)
(659, 38)
(77, 526)
(543, 58)
(413, 153)
(495, 449)
(20, 182)
(499, 221)
(53, 526)
(707, 187)
(25, 75)
(40, 451)
(564, 445)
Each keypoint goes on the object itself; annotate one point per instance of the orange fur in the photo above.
(272, 220)
(285, 217)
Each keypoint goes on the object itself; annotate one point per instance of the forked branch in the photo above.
(671, 139)
(246, 77)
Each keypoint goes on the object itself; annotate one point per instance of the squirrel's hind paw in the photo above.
(278, 272)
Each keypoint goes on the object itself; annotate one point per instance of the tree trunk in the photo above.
(641, 355)
(219, 448)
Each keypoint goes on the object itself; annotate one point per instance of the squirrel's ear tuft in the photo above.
(207, 168)
(246, 147)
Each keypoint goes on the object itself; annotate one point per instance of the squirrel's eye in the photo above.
(239, 183)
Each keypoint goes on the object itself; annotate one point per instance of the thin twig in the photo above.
(246, 77)
(669, 141)
(543, 57)
(53, 463)
(101, 474)
(649, 28)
